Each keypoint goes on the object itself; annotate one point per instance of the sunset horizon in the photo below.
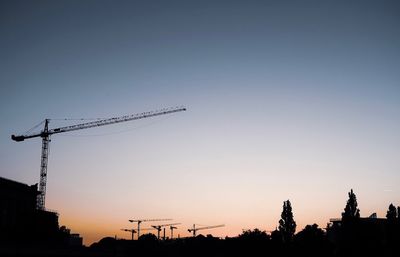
(202, 112)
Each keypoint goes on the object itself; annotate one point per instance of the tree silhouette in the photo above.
(311, 233)
(287, 225)
(148, 237)
(398, 213)
(276, 236)
(391, 214)
(351, 211)
(255, 235)
(311, 241)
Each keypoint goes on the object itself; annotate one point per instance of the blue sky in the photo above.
(286, 100)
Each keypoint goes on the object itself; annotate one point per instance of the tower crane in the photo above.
(46, 133)
(129, 230)
(194, 229)
(158, 227)
(172, 231)
(133, 231)
(145, 220)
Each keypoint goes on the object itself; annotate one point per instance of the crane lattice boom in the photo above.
(164, 225)
(194, 229)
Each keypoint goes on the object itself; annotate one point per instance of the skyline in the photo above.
(285, 100)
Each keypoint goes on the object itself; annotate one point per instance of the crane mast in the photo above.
(43, 166)
(46, 133)
(172, 231)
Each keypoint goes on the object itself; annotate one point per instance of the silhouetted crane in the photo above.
(46, 133)
(129, 230)
(133, 231)
(172, 231)
(158, 227)
(145, 220)
(194, 229)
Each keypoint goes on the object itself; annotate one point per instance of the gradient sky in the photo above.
(294, 100)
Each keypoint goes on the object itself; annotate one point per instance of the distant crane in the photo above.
(129, 230)
(194, 229)
(146, 220)
(133, 231)
(46, 133)
(172, 231)
(158, 227)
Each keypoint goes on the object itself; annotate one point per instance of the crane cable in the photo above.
(64, 119)
(30, 130)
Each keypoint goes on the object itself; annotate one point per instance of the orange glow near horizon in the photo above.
(92, 229)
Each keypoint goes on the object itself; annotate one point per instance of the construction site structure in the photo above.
(172, 231)
(158, 228)
(46, 133)
(139, 221)
(195, 229)
(133, 231)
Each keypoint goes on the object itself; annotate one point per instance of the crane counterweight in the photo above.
(17, 138)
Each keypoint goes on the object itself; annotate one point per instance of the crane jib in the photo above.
(20, 138)
(116, 120)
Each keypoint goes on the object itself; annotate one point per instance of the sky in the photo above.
(295, 100)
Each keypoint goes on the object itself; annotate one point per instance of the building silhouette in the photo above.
(20, 220)
(364, 236)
